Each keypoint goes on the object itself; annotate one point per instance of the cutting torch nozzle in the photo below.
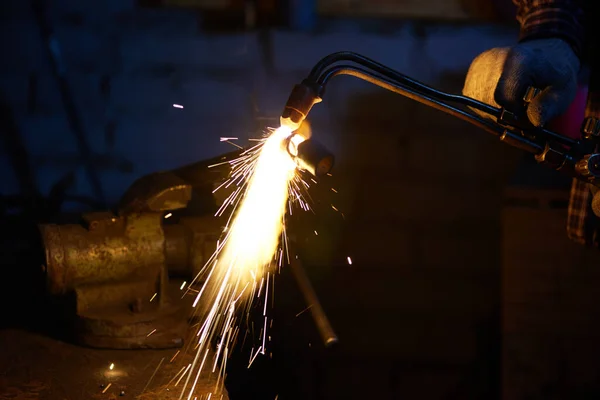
(303, 97)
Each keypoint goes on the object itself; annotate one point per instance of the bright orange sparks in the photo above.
(238, 270)
(256, 229)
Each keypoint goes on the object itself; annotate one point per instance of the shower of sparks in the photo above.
(263, 182)
(153, 296)
(303, 311)
(264, 186)
(112, 366)
(349, 261)
(182, 285)
(169, 215)
(153, 374)
(177, 106)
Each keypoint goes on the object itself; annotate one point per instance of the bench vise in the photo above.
(112, 270)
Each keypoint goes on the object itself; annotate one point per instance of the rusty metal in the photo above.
(110, 249)
(115, 267)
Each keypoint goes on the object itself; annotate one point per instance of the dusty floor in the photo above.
(35, 367)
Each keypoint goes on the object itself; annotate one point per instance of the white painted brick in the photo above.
(239, 51)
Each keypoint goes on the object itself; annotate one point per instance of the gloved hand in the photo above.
(501, 76)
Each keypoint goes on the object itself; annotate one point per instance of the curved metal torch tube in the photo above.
(319, 75)
(551, 148)
(433, 98)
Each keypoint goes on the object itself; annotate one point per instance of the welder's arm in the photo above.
(547, 57)
(551, 32)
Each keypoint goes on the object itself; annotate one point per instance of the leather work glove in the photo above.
(501, 76)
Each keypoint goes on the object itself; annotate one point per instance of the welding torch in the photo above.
(573, 157)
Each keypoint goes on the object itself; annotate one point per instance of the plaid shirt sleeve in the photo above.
(582, 223)
(565, 19)
(542, 19)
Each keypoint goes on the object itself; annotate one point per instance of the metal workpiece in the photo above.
(309, 154)
(551, 148)
(313, 157)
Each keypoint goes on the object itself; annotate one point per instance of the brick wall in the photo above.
(416, 312)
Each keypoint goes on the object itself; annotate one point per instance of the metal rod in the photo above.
(322, 322)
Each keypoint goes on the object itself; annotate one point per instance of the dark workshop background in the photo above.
(463, 284)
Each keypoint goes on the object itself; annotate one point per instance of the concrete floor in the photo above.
(35, 366)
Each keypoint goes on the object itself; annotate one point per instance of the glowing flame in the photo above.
(256, 229)
(239, 268)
